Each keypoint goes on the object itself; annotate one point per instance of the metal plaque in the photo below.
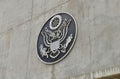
(56, 38)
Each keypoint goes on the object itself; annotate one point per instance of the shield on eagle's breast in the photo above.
(55, 45)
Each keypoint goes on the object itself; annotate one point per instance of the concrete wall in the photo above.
(96, 52)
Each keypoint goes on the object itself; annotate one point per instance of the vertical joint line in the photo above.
(90, 48)
(53, 73)
(32, 10)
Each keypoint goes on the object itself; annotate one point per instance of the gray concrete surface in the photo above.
(96, 52)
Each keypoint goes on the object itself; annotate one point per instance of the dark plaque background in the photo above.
(71, 30)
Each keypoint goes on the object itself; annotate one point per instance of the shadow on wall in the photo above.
(116, 76)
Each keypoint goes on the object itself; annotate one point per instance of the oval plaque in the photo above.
(56, 38)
